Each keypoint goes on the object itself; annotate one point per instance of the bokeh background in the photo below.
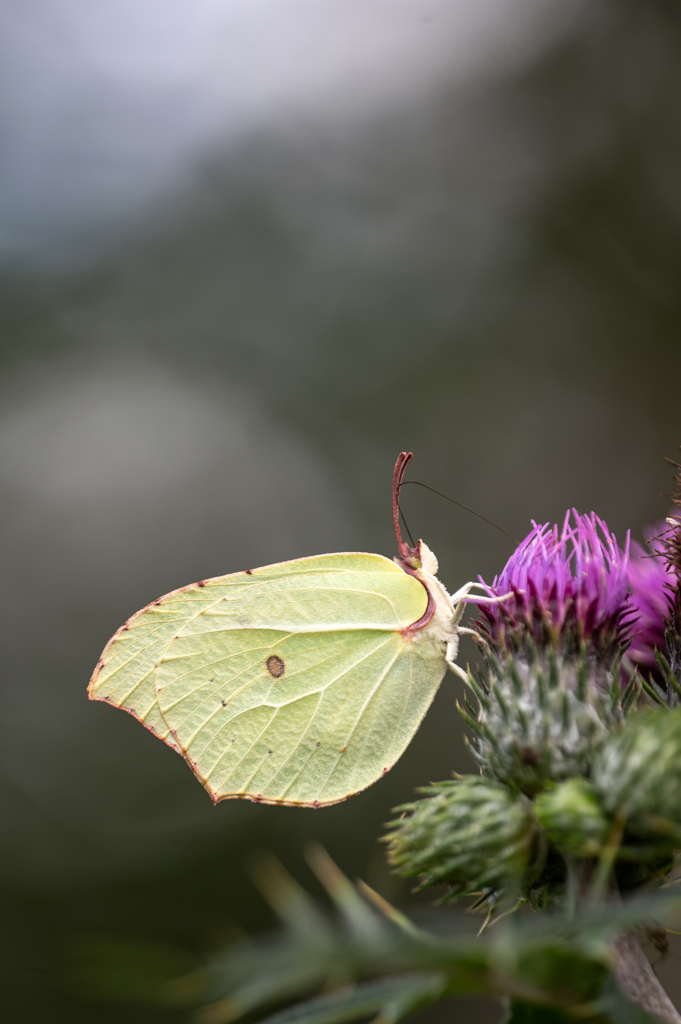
(249, 251)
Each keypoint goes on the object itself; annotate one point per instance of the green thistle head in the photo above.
(470, 833)
(637, 777)
(573, 818)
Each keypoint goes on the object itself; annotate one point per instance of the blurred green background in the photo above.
(248, 253)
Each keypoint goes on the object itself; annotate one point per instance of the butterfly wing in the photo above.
(298, 683)
(125, 675)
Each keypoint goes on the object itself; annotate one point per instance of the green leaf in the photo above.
(295, 907)
(557, 961)
(239, 984)
(601, 922)
(364, 924)
(389, 999)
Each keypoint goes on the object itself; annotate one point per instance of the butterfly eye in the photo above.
(275, 666)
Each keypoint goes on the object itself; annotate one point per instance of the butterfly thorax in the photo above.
(437, 626)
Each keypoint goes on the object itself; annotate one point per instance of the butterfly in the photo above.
(299, 683)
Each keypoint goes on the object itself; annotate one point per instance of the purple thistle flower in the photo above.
(652, 582)
(569, 586)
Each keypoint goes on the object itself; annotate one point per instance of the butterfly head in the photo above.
(410, 558)
(419, 557)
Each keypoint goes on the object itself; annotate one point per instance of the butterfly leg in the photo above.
(457, 670)
(453, 650)
(450, 657)
(464, 591)
(459, 607)
(473, 632)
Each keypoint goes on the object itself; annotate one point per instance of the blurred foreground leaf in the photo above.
(368, 961)
(388, 999)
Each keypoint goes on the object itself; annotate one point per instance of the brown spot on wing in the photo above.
(275, 666)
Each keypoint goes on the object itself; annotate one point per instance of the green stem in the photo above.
(607, 858)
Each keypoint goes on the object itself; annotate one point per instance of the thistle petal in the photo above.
(570, 588)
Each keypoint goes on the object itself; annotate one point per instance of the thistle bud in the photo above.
(637, 777)
(573, 818)
(470, 833)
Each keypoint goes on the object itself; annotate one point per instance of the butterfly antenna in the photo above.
(403, 483)
(406, 526)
